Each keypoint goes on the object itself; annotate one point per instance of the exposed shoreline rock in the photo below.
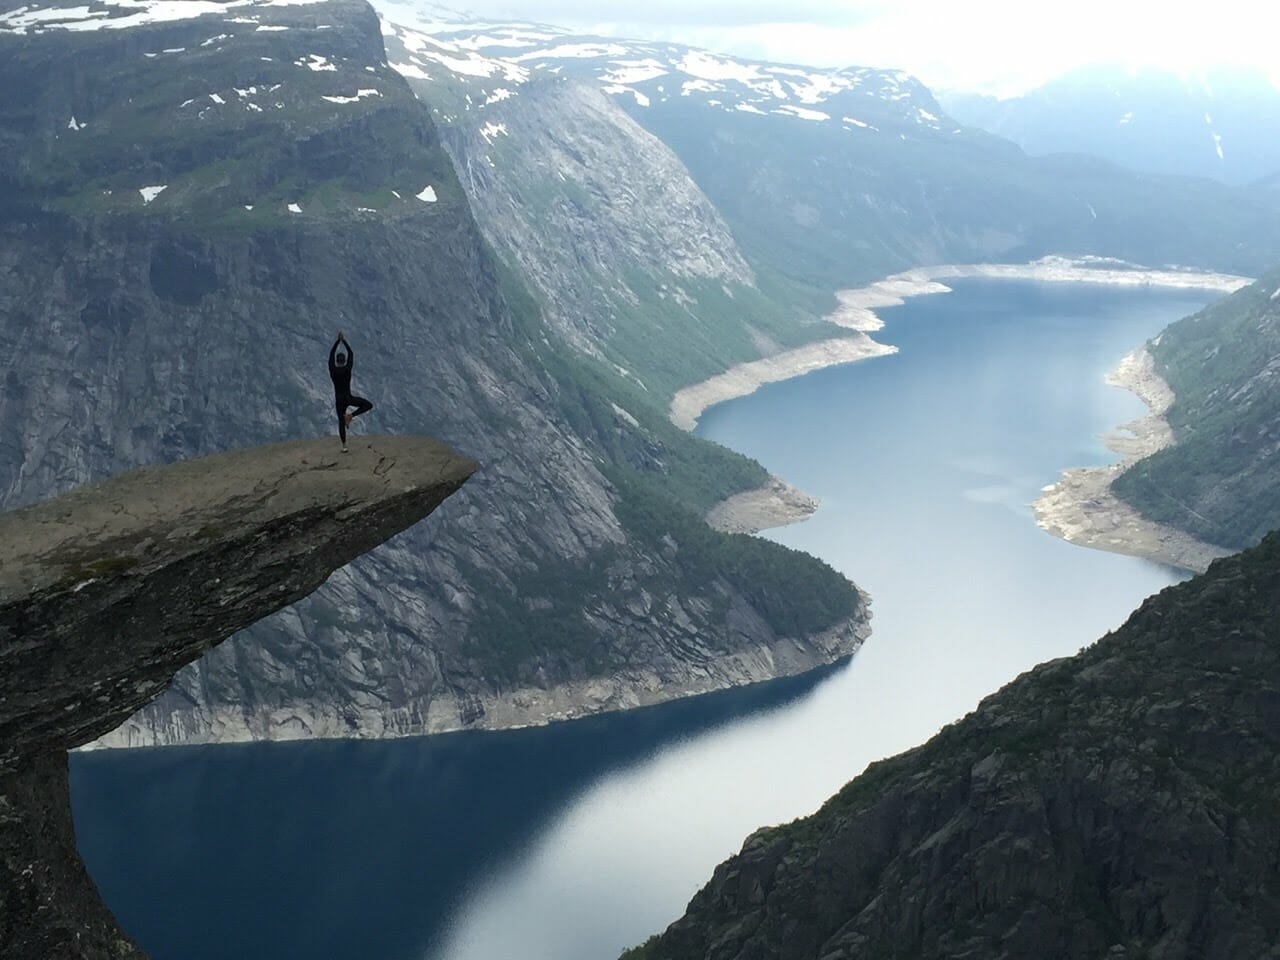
(856, 311)
(520, 707)
(775, 504)
(107, 591)
(1081, 509)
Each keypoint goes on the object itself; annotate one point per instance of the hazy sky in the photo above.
(994, 45)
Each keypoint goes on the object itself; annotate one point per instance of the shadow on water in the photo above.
(348, 848)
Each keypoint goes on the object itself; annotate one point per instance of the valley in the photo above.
(660, 300)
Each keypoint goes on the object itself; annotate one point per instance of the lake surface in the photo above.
(573, 841)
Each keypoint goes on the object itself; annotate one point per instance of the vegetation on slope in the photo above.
(1221, 481)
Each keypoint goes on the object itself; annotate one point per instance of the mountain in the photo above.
(1118, 803)
(828, 178)
(1221, 479)
(632, 262)
(193, 198)
(1219, 123)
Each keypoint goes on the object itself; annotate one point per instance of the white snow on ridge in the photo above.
(426, 50)
(706, 66)
(498, 95)
(133, 13)
(1276, 295)
(428, 194)
(491, 130)
(749, 108)
(150, 193)
(216, 99)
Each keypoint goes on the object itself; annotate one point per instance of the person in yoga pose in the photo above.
(341, 359)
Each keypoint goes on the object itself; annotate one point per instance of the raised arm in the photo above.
(333, 351)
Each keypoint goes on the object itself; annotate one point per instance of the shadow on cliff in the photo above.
(348, 848)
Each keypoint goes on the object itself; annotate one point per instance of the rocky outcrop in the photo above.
(107, 591)
(1119, 803)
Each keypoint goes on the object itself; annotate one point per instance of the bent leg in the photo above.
(361, 406)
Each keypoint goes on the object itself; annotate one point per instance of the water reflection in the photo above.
(349, 849)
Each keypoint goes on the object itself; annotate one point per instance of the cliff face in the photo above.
(107, 591)
(305, 189)
(1119, 803)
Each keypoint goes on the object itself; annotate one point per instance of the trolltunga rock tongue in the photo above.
(107, 591)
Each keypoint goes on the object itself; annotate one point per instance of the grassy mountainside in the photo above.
(1118, 803)
(1221, 481)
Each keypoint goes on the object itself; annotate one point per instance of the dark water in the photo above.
(571, 842)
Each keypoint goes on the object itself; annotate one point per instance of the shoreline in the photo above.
(775, 504)
(1079, 495)
(1081, 509)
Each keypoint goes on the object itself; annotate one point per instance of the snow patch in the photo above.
(700, 86)
(216, 99)
(410, 70)
(360, 94)
(502, 93)
(491, 130)
(267, 28)
(73, 125)
(428, 195)
(628, 72)
(294, 208)
(804, 113)
(150, 193)
(315, 62)
(749, 108)
(1126, 118)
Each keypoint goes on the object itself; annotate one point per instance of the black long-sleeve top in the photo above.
(341, 376)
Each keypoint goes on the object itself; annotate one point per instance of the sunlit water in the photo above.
(574, 841)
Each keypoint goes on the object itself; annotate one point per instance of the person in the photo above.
(341, 359)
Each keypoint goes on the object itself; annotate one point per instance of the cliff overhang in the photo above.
(107, 591)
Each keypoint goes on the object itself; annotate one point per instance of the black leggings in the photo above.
(361, 406)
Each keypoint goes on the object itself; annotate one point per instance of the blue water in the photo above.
(571, 842)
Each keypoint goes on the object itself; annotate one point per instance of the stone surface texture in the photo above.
(107, 591)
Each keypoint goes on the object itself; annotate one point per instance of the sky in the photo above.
(992, 46)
